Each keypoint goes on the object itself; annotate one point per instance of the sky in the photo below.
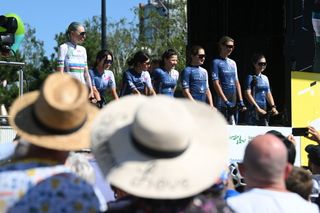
(52, 17)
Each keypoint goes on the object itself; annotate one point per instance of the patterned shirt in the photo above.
(39, 186)
(73, 59)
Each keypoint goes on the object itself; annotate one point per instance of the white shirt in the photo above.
(268, 201)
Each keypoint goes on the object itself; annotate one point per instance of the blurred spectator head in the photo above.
(300, 182)
(176, 153)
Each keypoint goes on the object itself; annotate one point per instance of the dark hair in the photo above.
(194, 50)
(256, 56)
(156, 61)
(199, 203)
(166, 55)
(101, 54)
(138, 57)
(289, 145)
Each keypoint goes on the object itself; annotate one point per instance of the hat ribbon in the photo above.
(155, 153)
(55, 130)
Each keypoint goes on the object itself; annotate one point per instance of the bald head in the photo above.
(265, 160)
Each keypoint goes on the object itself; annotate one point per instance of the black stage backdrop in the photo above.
(281, 29)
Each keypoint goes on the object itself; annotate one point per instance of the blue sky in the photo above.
(51, 17)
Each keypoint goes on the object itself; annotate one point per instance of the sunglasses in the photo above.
(201, 56)
(262, 64)
(108, 61)
(229, 46)
(82, 33)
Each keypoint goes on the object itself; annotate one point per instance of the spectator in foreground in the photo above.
(265, 168)
(164, 168)
(289, 142)
(314, 166)
(300, 182)
(51, 122)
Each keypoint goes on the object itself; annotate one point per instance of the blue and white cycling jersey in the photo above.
(165, 82)
(225, 70)
(259, 86)
(195, 78)
(134, 80)
(102, 81)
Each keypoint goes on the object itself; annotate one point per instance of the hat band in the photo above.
(54, 130)
(155, 153)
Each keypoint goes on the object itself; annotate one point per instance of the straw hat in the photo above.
(160, 147)
(56, 117)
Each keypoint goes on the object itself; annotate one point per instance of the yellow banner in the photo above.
(305, 104)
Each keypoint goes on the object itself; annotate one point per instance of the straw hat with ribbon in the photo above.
(57, 117)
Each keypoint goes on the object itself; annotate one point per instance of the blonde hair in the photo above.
(225, 39)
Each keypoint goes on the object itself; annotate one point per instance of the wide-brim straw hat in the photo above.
(160, 147)
(58, 117)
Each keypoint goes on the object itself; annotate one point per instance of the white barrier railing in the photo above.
(239, 137)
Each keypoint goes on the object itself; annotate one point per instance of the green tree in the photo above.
(125, 37)
(119, 40)
(37, 65)
(160, 32)
(122, 39)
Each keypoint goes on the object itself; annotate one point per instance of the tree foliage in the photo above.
(167, 31)
(37, 65)
(124, 38)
